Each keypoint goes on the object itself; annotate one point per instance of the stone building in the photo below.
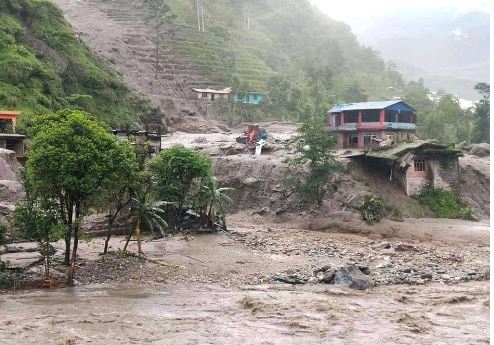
(416, 165)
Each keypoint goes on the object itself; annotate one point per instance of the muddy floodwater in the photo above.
(263, 314)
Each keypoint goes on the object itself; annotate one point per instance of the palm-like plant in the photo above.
(216, 198)
(148, 213)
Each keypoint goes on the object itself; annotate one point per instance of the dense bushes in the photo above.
(372, 210)
(446, 204)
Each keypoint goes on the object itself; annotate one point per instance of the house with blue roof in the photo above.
(358, 124)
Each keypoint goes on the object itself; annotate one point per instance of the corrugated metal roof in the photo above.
(395, 151)
(222, 91)
(363, 106)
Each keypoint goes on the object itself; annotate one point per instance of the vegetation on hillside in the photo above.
(446, 204)
(445, 120)
(304, 60)
(312, 148)
(44, 67)
(373, 209)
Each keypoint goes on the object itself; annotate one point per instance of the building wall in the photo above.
(440, 173)
(254, 99)
(446, 174)
(417, 181)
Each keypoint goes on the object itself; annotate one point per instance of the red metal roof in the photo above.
(9, 115)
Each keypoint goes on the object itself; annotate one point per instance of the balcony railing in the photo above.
(353, 126)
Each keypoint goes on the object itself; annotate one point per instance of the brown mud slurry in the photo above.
(218, 289)
(262, 314)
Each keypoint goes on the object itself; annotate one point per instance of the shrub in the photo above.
(446, 204)
(372, 210)
(3, 232)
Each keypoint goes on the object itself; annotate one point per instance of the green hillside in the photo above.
(302, 58)
(44, 67)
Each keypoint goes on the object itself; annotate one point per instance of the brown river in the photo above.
(262, 314)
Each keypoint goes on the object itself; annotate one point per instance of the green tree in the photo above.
(117, 194)
(353, 93)
(482, 114)
(212, 200)
(161, 15)
(71, 161)
(448, 122)
(177, 173)
(41, 224)
(145, 213)
(417, 96)
(312, 149)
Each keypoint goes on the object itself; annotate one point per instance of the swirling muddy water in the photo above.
(263, 314)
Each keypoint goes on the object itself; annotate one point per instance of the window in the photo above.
(370, 116)
(391, 116)
(405, 117)
(351, 116)
(337, 120)
(368, 138)
(204, 95)
(419, 164)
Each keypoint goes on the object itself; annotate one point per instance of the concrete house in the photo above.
(416, 166)
(357, 124)
(211, 94)
(151, 140)
(252, 98)
(10, 140)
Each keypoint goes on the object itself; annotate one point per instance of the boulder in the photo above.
(290, 277)
(325, 274)
(480, 150)
(404, 247)
(21, 260)
(351, 276)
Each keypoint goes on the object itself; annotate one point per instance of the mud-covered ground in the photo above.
(219, 289)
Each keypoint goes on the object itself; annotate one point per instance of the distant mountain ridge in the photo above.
(449, 48)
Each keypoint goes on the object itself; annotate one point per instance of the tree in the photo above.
(212, 200)
(146, 213)
(177, 173)
(71, 161)
(161, 15)
(482, 114)
(353, 93)
(312, 149)
(117, 193)
(39, 222)
(447, 122)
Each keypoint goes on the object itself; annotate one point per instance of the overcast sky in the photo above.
(351, 9)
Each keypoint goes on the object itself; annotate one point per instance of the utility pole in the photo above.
(247, 15)
(200, 15)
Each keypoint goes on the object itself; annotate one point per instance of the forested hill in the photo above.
(289, 49)
(45, 67)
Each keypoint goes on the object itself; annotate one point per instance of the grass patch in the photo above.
(446, 204)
